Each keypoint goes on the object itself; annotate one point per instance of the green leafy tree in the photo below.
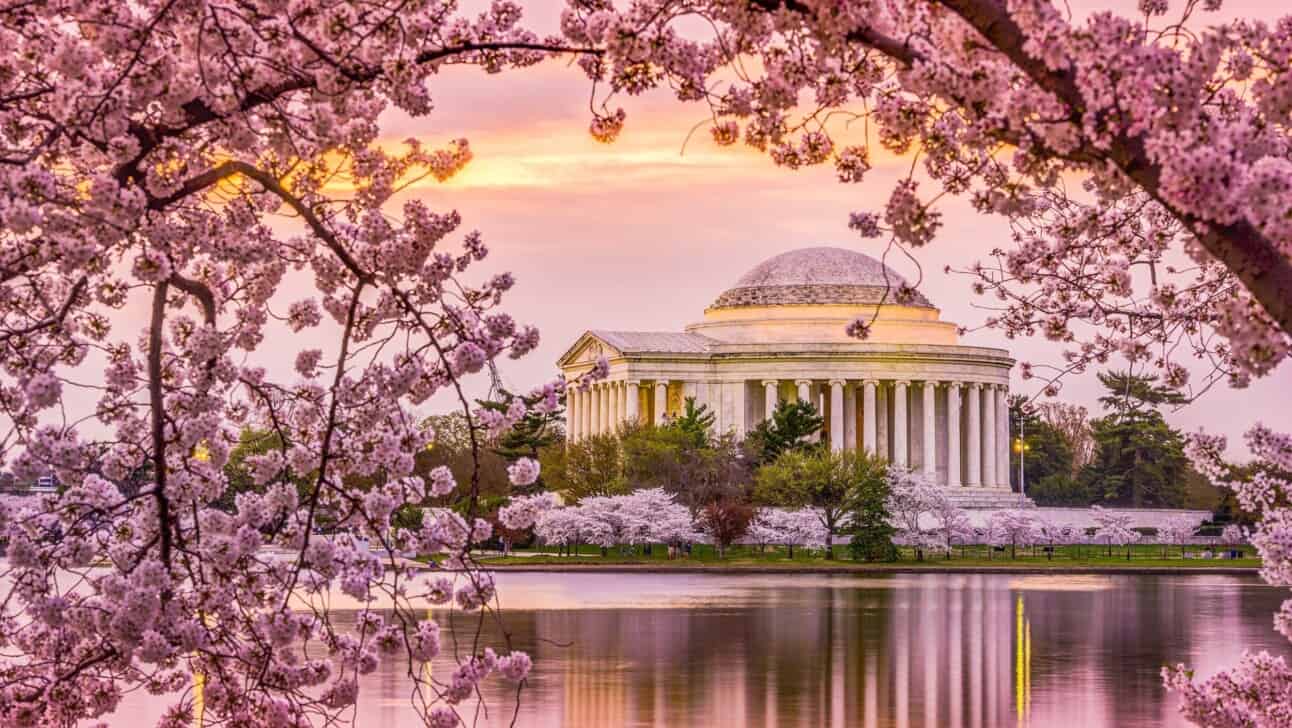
(817, 478)
(1046, 455)
(591, 466)
(454, 448)
(792, 426)
(697, 471)
(1139, 459)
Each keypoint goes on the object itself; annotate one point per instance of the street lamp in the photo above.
(1021, 447)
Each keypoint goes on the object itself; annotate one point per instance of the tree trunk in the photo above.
(829, 544)
(791, 547)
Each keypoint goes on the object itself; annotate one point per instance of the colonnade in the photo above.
(956, 432)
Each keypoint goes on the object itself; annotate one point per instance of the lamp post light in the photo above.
(1021, 447)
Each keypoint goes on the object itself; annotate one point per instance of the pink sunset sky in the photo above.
(641, 235)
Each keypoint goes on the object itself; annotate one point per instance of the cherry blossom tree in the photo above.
(1113, 528)
(1177, 531)
(522, 512)
(788, 528)
(1233, 535)
(1047, 532)
(1179, 233)
(950, 524)
(1258, 691)
(1013, 526)
(643, 517)
(569, 527)
(189, 191)
(912, 498)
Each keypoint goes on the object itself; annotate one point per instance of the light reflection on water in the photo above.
(958, 650)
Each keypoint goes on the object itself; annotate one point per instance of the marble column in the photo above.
(603, 408)
(953, 434)
(771, 397)
(973, 447)
(661, 401)
(989, 436)
(1002, 437)
(616, 405)
(630, 397)
(881, 422)
(930, 430)
(805, 389)
(868, 424)
(836, 414)
(849, 416)
(585, 413)
(900, 458)
(571, 414)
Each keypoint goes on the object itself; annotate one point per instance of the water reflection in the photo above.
(966, 651)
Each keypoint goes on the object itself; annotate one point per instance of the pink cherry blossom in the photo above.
(219, 173)
(523, 472)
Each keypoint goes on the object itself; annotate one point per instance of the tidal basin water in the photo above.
(957, 650)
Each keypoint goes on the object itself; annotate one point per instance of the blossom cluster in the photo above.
(217, 168)
(1179, 140)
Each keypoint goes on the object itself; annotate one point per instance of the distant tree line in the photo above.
(1128, 457)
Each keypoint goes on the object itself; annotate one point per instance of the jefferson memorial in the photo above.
(909, 391)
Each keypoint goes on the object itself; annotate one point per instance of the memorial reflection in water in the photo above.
(965, 651)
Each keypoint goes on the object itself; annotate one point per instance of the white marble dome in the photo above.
(815, 276)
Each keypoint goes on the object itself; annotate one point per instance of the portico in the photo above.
(909, 391)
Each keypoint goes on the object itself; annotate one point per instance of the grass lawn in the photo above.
(975, 557)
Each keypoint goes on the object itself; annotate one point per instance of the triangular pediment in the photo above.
(586, 350)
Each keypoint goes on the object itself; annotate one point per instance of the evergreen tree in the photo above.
(528, 437)
(792, 426)
(869, 522)
(1139, 459)
(695, 422)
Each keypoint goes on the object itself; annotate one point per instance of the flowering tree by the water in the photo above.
(1014, 527)
(1048, 533)
(821, 481)
(1112, 527)
(1259, 690)
(642, 517)
(950, 524)
(1233, 535)
(1177, 531)
(522, 512)
(191, 193)
(571, 527)
(912, 499)
(788, 528)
